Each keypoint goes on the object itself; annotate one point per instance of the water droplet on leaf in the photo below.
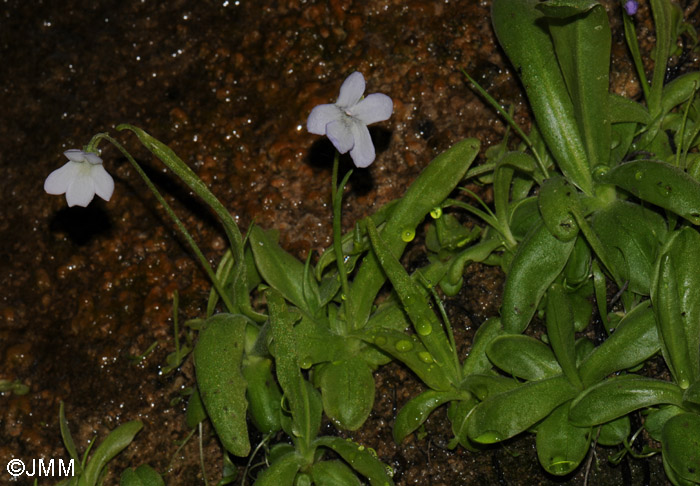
(436, 213)
(408, 235)
(404, 345)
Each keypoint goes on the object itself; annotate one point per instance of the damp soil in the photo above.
(228, 86)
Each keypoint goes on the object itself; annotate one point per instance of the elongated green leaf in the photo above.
(539, 260)
(561, 446)
(557, 200)
(681, 446)
(347, 391)
(635, 339)
(619, 396)
(560, 330)
(263, 394)
(431, 187)
(523, 356)
(116, 441)
(360, 458)
(582, 44)
(284, 272)
(144, 475)
(502, 416)
(669, 319)
(334, 473)
(417, 409)
(304, 401)
(634, 235)
(217, 356)
(425, 322)
(477, 361)
(676, 298)
(281, 472)
(410, 350)
(519, 28)
(659, 183)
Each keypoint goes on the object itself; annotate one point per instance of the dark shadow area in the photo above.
(361, 181)
(80, 224)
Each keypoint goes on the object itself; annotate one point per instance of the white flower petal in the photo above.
(75, 155)
(103, 182)
(351, 91)
(340, 134)
(92, 158)
(321, 116)
(363, 152)
(374, 108)
(59, 180)
(81, 190)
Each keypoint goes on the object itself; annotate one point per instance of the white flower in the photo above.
(345, 121)
(80, 179)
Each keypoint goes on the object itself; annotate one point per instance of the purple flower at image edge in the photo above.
(631, 7)
(345, 121)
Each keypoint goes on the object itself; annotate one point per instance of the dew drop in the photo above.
(639, 175)
(306, 362)
(380, 340)
(424, 329)
(436, 213)
(408, 235)
(425, 357)
(404, 346)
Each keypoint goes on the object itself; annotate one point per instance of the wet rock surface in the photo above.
(228, 86)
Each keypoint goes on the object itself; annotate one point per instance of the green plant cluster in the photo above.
(603, 193)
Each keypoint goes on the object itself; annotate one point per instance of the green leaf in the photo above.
(281, 472)
(431, 187)
(657, 418)
(360, 458)
(196, 412)
(263, 394)
(659, 183)
(144, 475)
(334, 473)
(477, 361)
(615, 432)
(557, 199)
(428, 328)
(676, 298)
(619, 396)
(560, 331)
(347, 391)
(523, 356)
(502, 416)
(635, 339)
(283, 272)
(633, 235)
(317, 343)
(539, 260)
(519, 28)
(483, 386)
(217, 356)
(681, 446)
(416, 411)
(562, 9)
(116, 441)
(408, 349)
(561, 446)
(582, 44)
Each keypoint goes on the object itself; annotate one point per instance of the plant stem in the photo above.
(180, 226)
(336, 201)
